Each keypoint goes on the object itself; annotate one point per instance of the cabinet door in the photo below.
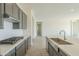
(61, 53)
(1, 20)
(29, 42)
(11, 53)
(17, 25)
(52, 51)
(49, 50)
(24, 21)
(26, 45)
(21, 18)
(20, 49)
(8, 8)
(15, 11)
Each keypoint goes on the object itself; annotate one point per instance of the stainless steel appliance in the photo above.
(11, 40)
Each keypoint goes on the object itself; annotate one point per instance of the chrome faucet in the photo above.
(64, 33)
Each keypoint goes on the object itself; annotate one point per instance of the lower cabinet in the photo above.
(11, 53)
(52, 51)
(61, 53)
(26, 45)
(20, 49)
(29, 42)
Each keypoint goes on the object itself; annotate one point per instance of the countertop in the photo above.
(5, 48)
(71, 50)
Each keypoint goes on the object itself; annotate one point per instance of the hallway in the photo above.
(38, 48)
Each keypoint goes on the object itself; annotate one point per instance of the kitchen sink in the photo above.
(61, 42)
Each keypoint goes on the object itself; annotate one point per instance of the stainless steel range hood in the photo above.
(8, 17)
(11, 19)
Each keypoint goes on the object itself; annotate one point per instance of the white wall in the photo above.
(52, 26)
(56, 17)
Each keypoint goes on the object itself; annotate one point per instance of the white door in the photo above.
(39, 28)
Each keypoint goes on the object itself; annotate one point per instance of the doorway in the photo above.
(39, 28)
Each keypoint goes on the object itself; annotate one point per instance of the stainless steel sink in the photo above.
(61, 42)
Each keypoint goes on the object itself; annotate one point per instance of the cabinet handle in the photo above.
(58, 50)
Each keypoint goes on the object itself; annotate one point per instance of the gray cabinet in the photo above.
(11, 9)
(1, 20)
(8, 9)
(15, 11)
(29, 42)
(20, 49)
(61, 53)
(26, 45)
(24, 21)
(19, 24)
(11, 53)
(52, 51)
(21, 19)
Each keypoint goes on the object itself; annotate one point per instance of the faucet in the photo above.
(64, 33)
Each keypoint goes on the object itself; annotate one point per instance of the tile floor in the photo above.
(38, 48)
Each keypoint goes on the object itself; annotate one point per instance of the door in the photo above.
(39, 28)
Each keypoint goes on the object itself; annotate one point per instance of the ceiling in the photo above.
(44, 11)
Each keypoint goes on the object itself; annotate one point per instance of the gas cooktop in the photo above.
(11, 40)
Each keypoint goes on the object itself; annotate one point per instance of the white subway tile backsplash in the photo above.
(9, 32)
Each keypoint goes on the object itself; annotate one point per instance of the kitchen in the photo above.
(44, 29)
(14, 28)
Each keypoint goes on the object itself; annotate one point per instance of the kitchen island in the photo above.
(55, 49)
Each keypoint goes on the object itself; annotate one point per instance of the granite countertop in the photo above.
(71, 50)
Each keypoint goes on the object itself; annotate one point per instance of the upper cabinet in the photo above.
(8, 9)
(1, 20)
(21, 19)
(24, 21)
(15, 15)
(11, 10)
(15, 12)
